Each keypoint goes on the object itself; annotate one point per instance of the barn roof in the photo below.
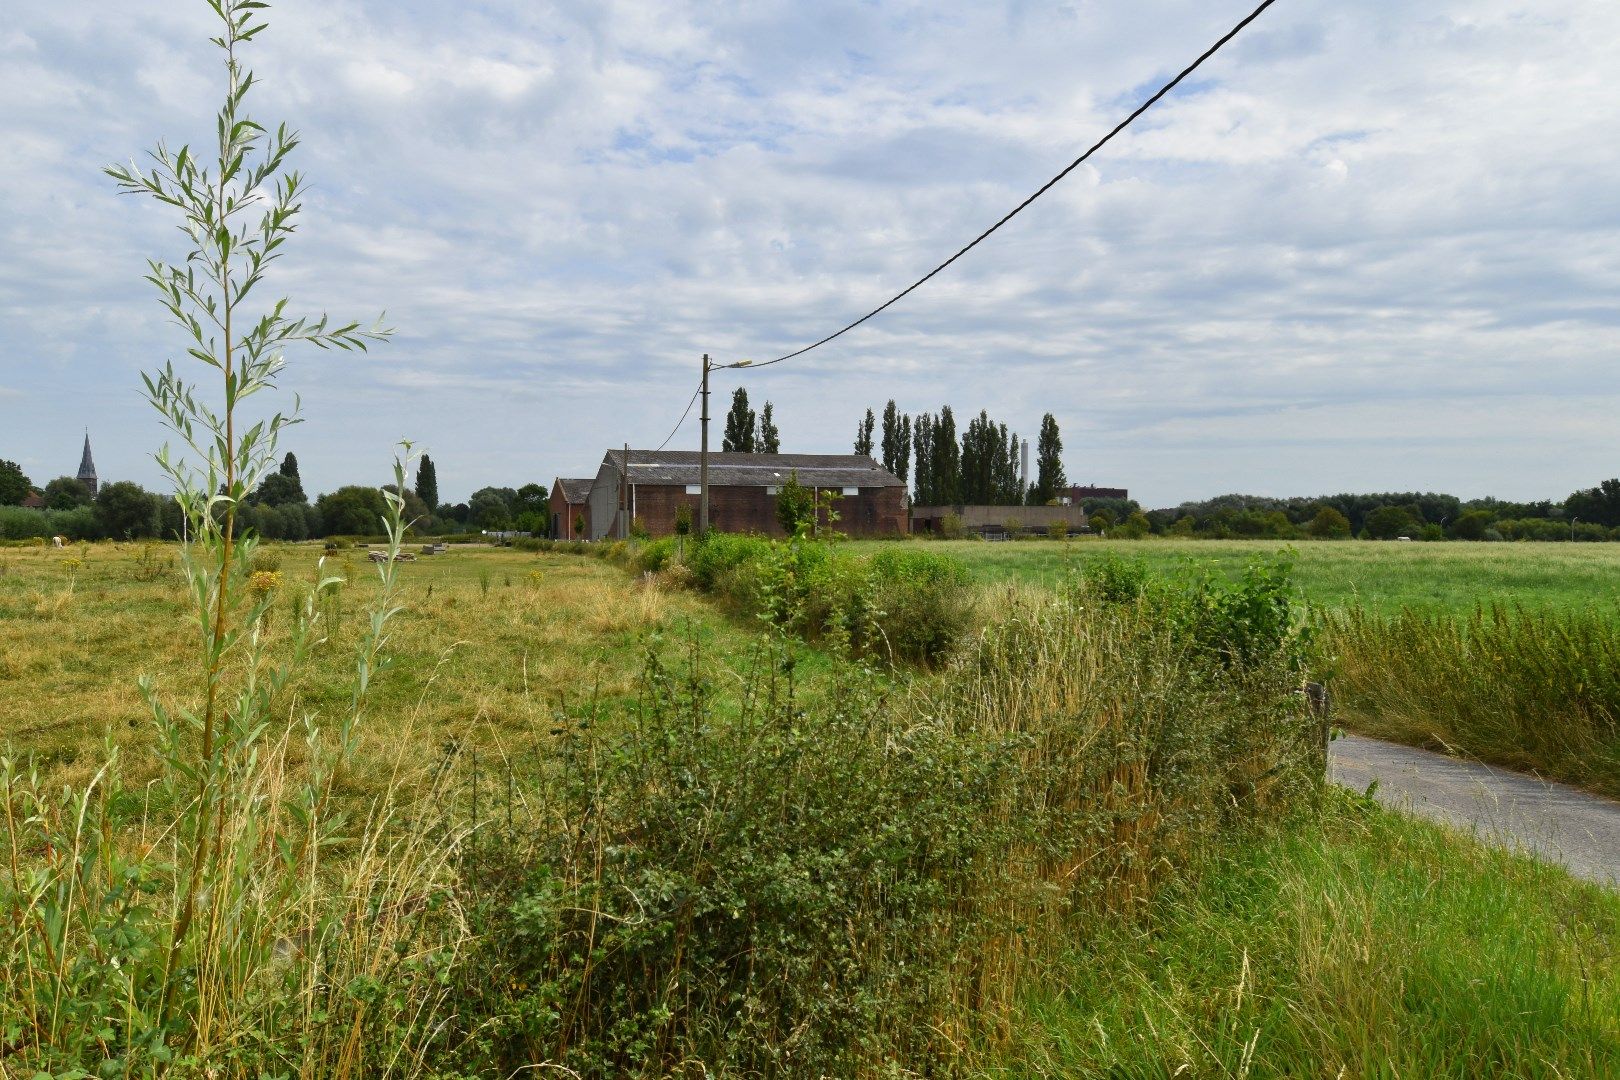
(755, 470)
(574, 491)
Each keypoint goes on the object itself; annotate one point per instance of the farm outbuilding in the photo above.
(997, 522)
(651, 485)
(571, 509)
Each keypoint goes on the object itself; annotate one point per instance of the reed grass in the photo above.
(1537, 691)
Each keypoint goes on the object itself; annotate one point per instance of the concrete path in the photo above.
(1558, 823)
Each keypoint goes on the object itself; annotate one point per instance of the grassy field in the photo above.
(1380, 577)
(490, 644)
(1339, 940)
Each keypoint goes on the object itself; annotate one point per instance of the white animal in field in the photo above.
(59, 541)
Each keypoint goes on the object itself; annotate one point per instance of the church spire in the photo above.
(87, 466)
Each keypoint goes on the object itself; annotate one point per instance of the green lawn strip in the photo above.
(1380, 576)
(1373, 946)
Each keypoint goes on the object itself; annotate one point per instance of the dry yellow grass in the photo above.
(492, 642)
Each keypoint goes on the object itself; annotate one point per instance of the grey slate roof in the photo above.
(755, 470)
(575, 492)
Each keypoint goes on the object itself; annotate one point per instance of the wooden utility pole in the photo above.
(703, 457)
(703, 454)
(624, 494)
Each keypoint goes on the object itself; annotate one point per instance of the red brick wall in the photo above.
(874, 512)
(563, 515)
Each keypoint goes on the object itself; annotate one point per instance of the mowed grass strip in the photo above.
(491, 644)
(1380, 576)
(1370, 945)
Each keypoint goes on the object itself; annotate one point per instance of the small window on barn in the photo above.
(852, 491)
(694, 489)
(773, 490)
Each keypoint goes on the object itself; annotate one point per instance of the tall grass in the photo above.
(1531, 690)
(1367, 945)
(305, 956)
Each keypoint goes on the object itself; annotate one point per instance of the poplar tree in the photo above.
(902, 450)
(427, 482)
(739, 436)
(289, 466)
(1049, 478)
(1010, 488)
(863, 434)
(945, 464)
(923, 442)
(891, 437)
(989, 464)
(769, 440)
(978, 459)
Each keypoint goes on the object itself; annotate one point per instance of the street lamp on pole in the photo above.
(703, 446)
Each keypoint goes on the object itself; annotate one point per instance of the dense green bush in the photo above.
(895, 603)
(21, 523)
(655, 555)
(1253, 619)
(715, 558)
(923, 599)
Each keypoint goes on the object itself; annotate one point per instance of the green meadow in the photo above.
(1378, 576)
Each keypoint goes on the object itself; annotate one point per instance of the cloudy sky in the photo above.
(1373, 246)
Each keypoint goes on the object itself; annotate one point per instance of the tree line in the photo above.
(982, 468)
(979, 468)
(278, 509)
(1590, 514)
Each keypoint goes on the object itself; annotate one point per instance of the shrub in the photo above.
(717, 556)
(950, 526)
(1137, 526)
(1116, 580)
(24, 523)
(655, 556)
(1058, 530)
(923, 601)
(795, 506)
(1328, 524)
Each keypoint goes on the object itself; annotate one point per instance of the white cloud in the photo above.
(1381, 237)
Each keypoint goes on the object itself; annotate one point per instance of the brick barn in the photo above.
(570, 501)
(742, 491)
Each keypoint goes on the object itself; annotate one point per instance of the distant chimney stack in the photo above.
(1023, 467)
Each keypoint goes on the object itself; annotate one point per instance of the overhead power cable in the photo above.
(682, 420)
(1044, 188)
